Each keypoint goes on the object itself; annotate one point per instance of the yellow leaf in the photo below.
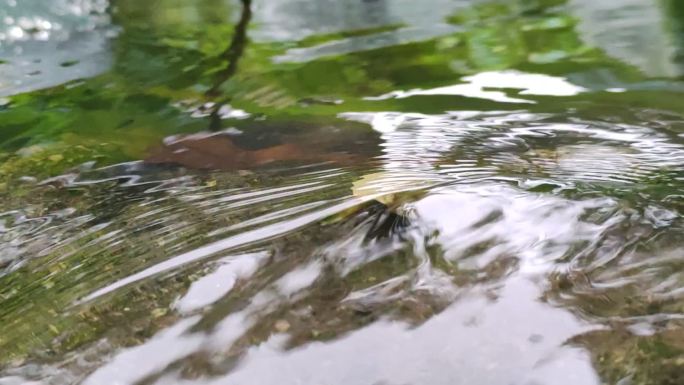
(282, 326)
(53, 329)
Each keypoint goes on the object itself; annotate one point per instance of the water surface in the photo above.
(341, 192)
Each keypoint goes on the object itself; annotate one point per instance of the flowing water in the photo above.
(326, 192)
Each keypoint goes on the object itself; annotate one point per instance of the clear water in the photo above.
(341, 192)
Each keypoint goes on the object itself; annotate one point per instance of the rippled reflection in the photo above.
(45, 45)
(501, 217)
(249, 276)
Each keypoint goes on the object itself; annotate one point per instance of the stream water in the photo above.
(331, 192)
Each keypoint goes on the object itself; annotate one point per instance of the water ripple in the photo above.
(458, 218)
